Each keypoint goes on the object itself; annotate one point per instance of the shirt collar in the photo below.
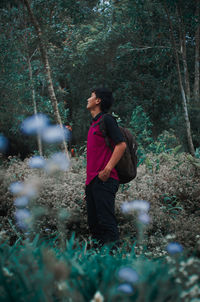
(97, 117)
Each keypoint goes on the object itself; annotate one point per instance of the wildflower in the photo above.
(16, 187)
(6, 272)
(125, 288)
(174, 248)
(54, 134)
(21, 201)
(128, 274)
(140, 205)
(34, 124)
(170, 236)
(36, 162)
(136, 205)
(31, 187)
(58, 162)
(3, 143)
(144, 218)
(98, 297)
(23, 218)
(192, 280)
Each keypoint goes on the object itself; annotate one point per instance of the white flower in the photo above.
(34, 124)
(98, 297)
(192, 280)
(128, 274)
(36, 162)
(54, 134)
(6, 272)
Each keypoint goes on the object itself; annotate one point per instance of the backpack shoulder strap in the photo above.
(102, 128)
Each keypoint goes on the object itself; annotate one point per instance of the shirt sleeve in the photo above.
(113, 130)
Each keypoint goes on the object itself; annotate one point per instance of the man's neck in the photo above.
(95, 111)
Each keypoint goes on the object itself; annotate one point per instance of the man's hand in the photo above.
(104, 174)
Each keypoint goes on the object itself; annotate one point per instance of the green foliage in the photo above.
(171, 204)
(76, 273)
(124, 46)
(141, 126)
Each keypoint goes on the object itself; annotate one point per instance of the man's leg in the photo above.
(91, 213)
(104, 198)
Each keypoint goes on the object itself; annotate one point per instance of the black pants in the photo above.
(100, 197)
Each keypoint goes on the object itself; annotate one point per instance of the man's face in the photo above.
(93, 101)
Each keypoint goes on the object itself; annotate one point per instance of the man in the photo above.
(102, 180)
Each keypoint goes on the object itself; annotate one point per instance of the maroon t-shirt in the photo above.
(98, 153)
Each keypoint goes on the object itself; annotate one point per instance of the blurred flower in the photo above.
(144, 218)
(98, 297)
(128, 274)
(58, 162)
(21, 201)
(16, 187)
(3, 143)
(136, 205)
(54, 134)
(6, 272)
(31, 188)
(34, 124)
(36, 162)
(174, 248)
(125, 288)
(23, 218)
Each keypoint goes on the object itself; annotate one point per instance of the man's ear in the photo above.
(98, 101)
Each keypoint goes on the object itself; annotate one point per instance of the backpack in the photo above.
(127, 165)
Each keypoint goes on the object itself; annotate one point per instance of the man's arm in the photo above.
(116, 155)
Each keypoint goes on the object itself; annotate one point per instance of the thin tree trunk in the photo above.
(184, 101)
(184, 54)
(197, 57)
(34, 103)
(47, 69)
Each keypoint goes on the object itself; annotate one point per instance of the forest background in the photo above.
(54, 52)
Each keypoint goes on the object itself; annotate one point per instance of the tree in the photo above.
(47, 68)
(185, 91)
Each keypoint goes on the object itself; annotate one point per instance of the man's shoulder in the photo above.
(109, 118)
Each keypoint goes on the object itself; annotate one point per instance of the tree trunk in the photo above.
(184, 54)
(47, 69)
(197, 56)
(34, 104)
(184, 101)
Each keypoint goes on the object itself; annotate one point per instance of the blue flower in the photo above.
(128, 274)
(54, 134)
(36, 162)
(34, 124)
(3, 143)
(174, 248)
(58, 162)
(144, 218)
(135, 205)
(23, 218)
(125, 288)
(21, 201)
(16, 187)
